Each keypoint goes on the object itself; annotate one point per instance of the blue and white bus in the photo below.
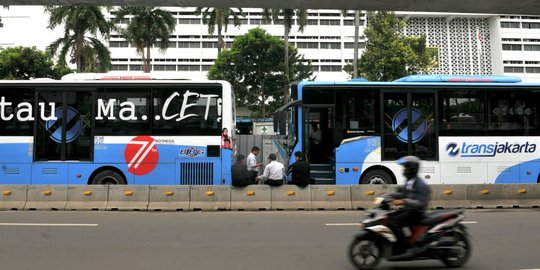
(467, 130)
(107, 129)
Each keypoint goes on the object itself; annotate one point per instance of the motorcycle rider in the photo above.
(414, 197)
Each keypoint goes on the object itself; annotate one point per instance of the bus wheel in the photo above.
(376, 177)
(108, 177)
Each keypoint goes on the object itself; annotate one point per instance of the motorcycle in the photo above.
(439, 235)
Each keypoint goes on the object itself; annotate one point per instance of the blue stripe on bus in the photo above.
(526, 172)
(353, 153)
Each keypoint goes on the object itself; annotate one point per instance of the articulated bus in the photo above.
(467, 130)
(104, 129)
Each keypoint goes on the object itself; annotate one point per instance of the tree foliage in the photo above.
(389, 55)
(149, 26)
(220, 18)
(81, 27)
(255, 68)
(287, 18)
(23, 63)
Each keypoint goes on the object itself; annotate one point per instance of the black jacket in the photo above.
(417, 198)
(300, 173)
(240, 175)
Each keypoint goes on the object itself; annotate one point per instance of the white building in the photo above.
(466, 43)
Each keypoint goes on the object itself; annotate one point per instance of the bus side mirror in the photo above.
(280, 122)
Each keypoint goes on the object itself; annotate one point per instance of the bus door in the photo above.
(63, 126)
(319, 131)
(409, 126)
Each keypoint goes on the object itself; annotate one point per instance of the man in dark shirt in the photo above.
(300, 171)
(240, 174)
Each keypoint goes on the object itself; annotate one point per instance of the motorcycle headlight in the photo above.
(378, 200)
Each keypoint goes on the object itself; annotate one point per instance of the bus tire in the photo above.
(108, 177)
(376, 177)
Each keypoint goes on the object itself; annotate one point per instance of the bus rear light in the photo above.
(355, 169)
(341, 170)
(78, 175)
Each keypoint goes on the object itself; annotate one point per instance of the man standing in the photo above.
(300, 171)
(274, 172)
(252, 165)
(240, 174)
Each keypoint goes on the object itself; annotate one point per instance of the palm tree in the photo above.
(81, 25)
(220, 17)
(288, 20)
(149, 26)
(356, 38)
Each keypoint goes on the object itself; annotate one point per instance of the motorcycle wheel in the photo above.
(462, 253)
(365, 253)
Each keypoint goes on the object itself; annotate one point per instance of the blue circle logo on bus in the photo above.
(399, 125)
(452, 149)
(73, 125)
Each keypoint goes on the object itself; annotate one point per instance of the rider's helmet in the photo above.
(410, 164)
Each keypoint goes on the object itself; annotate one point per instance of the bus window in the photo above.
(17, 125)
(114, 114)
(358, 113)
(462, 113)
(511, 113)
(187, 111)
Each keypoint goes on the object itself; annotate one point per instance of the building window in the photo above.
(186, 44)
(530, 25)
(255, 21)
(205, 67)
(329, 22)
(330, 68)
(513, 69)
(189, 68)
(135, 67)
(210, 45)
(312, 22)
(164, 68)
(351, 22)
(350, 45)
(509, 25)
(118, 44)
(527, 47)
(119, 67)
(189, 21)
(532, 69)
(307, 45)
(511, 47)
(528, 63)
(330, 45)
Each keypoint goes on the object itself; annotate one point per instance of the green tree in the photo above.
(389, 55)
(149, 26)
(254, 68)
(23, 63)
(220, 18)
(287, 15)
(81, 26)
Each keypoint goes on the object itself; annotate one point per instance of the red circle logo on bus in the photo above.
(141, 155)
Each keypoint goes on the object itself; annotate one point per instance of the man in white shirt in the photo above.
(274, 172)
(252, 165)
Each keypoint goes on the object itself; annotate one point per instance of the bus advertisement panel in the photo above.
(116, 132)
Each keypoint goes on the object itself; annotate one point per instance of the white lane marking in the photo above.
(49, 224)
(357, 224)
(343, 224)
(469, 222)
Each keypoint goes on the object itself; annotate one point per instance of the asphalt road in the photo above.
(505, 239)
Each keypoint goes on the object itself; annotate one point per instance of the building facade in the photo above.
(461, 44)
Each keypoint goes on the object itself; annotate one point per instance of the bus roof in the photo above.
(123, 76)
(460, 79)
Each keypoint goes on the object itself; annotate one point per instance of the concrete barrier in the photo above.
(290, 197)
(524, 195)
(210, 198)
(254, 197)
(92, 197)
(362, 196)
(169, 198)
(13, 197)
(128, 198)
(326, 197)
(485, 196)
(449, 196)
(46, 197)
